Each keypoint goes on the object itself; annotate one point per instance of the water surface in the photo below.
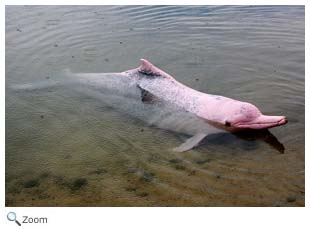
(64, 148)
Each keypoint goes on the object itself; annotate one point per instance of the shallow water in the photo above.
(65, 148)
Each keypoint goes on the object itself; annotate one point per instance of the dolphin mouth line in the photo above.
(275, 123)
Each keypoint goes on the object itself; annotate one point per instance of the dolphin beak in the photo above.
(273, 120)
(265, 122)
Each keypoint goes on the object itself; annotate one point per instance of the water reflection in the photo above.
(263, 135)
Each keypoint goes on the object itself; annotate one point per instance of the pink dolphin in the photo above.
(204, 114)
(219, 111)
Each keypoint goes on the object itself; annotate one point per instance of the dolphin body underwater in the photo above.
(159, 99)
(155, 97)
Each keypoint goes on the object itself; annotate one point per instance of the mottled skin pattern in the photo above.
(220, 111)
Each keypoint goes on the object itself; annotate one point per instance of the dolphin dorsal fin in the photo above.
(149, 69)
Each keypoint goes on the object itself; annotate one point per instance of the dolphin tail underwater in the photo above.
(66, 79)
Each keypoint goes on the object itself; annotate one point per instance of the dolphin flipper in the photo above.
(190, 143)
(146, 96)
(194, 141)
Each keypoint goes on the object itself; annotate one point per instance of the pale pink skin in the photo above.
(221, 111)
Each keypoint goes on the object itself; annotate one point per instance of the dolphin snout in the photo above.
(275, 119)
(272, 121)
(263, 122)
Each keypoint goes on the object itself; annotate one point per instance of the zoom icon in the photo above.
(12, 217)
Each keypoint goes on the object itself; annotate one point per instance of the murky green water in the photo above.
(64, 148)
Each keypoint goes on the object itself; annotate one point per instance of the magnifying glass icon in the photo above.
(12, 217)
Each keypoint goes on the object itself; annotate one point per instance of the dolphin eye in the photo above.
(227, 123)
